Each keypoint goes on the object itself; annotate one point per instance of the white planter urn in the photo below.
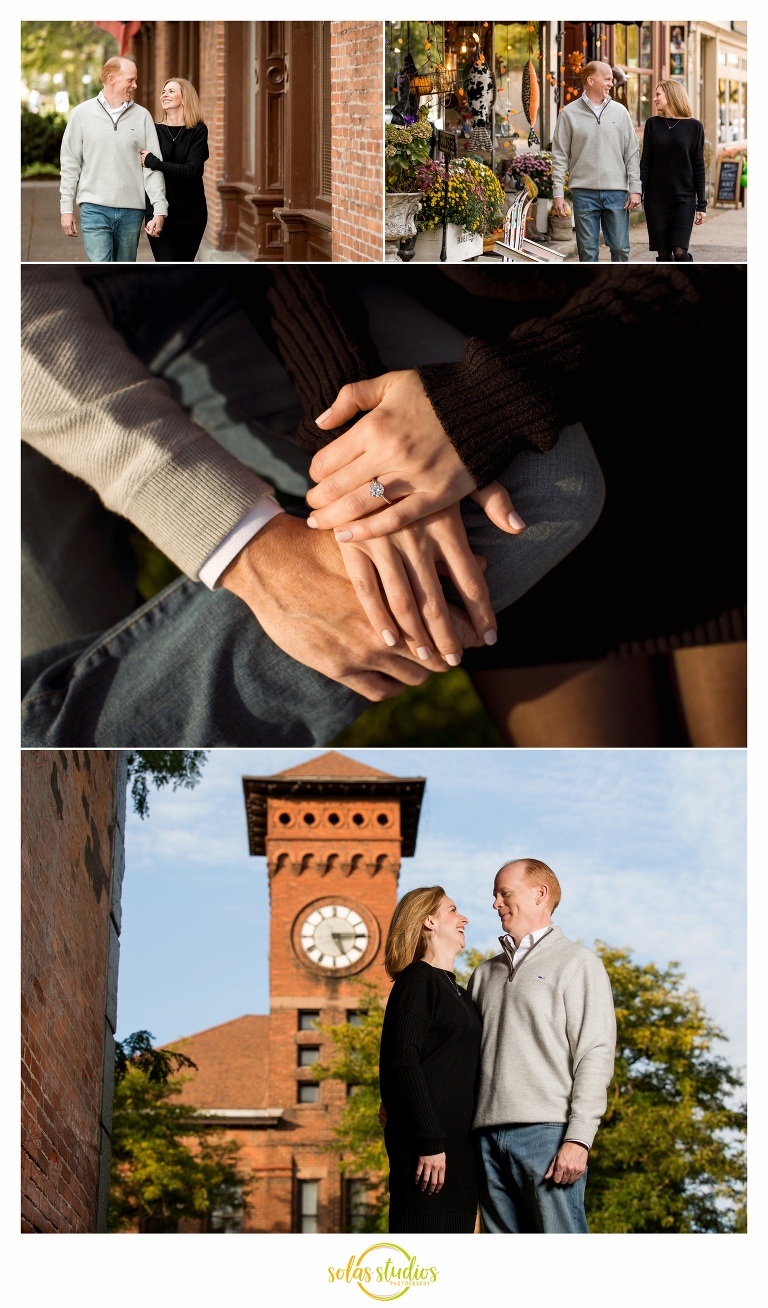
(400, 209)
(459, 246)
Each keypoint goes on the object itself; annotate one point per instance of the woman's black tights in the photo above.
(677, 254)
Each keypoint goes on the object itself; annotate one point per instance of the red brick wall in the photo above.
(71, 830)
(212, 95)
(357, 148)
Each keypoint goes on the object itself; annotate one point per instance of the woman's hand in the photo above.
(430, 1172)
(401, 443)
(382, 1115)
(698, 218)
(404, 566)
(155, 225)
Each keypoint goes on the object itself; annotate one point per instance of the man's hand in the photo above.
(634, 200)
(562, 208)
(568, 1164)
(68, 224)
(295, 582)
(430, 1172)
(155, 225)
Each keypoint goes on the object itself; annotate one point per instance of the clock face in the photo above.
(334, 936)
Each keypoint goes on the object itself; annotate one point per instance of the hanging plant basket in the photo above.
(421, 84)
(442, 79)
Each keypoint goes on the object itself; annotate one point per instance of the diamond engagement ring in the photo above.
(377, 491)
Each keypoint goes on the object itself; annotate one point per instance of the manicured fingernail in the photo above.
(323, 416)
(516, 521)
(424, 652)
(311, 522)
(388, 637)
(490, 637)
(453, 659)
(343, 535)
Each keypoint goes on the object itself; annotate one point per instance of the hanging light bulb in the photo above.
(475, 37)
(463, 47)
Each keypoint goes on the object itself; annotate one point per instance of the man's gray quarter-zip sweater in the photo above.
(599, 152)
(101, 162)
(549, 1037)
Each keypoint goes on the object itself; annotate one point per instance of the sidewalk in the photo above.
(42, 240)
(722, 238)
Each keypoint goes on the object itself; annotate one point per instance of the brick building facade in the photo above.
(73, 816)
(295, 133)
(333, 832)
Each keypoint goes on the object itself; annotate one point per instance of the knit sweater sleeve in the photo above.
(71, 162)
(198, 153)
(699, 170)
(154, 182)
(591, 1032)
(90, 406)
(646, 158)
(509, 395)
(413, 1021)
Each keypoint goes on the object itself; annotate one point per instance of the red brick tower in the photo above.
(333, 831)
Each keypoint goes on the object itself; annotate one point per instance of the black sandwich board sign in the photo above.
(728, 183)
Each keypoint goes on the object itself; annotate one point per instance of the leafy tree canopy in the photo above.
(177, 767)
(669, 1155)
(166, 1166)
(68, 48)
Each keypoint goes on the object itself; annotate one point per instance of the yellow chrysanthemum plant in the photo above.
(475, 196)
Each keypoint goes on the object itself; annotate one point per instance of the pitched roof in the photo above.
(232, 1062)
(327, 766)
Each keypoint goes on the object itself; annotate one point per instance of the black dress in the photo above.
(673, 180)
(185, 150)
(430, 1048)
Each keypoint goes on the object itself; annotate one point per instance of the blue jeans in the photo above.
(514, 1197)
(590, 209)
(110, 235)
(193, 666)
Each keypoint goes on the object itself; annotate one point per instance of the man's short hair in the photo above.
(113, 67)
(538, 874)
(590, 69)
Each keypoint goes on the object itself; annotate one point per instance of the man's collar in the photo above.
(532, 935)
(584, 96)
(112, 108)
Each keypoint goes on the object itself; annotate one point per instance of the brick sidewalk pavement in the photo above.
(722, 238)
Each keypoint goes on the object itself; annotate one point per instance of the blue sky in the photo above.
(649, 846)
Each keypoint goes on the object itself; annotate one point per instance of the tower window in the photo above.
(383, 819)
(307, 1092)
(309, 1207)
(358, 819)
(309, 818)
(334, 819)
(284, 818)
(354, 1018)
(308, 1054)
(309, 1021)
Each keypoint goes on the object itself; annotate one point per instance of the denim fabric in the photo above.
(110, 235)
(193, 667)
(514, 1197)
(590, 209)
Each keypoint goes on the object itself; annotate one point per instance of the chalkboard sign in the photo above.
(728, 182)
(446, 142)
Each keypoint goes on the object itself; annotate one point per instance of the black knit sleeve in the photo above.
(519, 393)
(198, 153)
(411, 1032)
(699, 171)
(646, 156)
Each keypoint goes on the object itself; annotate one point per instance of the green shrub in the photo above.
(41, 138)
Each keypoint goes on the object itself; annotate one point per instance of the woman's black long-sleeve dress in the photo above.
(673, 180)
(430, 1048)
(185, 150)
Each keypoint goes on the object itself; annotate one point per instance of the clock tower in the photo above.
(333, 831)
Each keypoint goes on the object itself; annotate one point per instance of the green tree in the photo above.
(70, 49)
(174, 767)
(165, 1165)
(669, 1155)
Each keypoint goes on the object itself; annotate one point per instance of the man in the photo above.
(595, 143)
(101, 169)
(549, 1036)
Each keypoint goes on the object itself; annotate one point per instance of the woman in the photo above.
(183, 140)
(430, 1047)
(672, 174)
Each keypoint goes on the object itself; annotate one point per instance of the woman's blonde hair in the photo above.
(406, 939)
(193, 110)
(676, 96)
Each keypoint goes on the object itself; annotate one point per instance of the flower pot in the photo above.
(460, 245)
(543, 209)
(400, 211)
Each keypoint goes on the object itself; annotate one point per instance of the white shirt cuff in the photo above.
(233, 542)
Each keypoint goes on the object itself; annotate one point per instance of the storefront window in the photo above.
(646, 101)
(646, 56)
(722, 109)
(633, 44)
(511, 55)
(734, 117)
(633, 98)
(620, 44)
